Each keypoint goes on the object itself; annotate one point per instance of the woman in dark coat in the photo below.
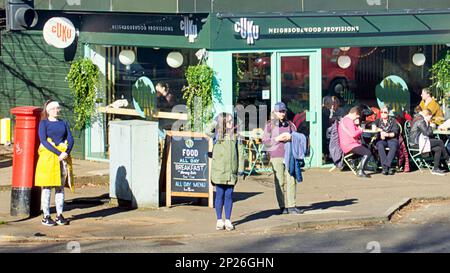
(388, 138)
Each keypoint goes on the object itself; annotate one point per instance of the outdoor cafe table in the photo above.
(373, 134)
(438, 133)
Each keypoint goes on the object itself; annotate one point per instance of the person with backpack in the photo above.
(277, 133)
(226, 157)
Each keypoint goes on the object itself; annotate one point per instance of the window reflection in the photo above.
(251, 86)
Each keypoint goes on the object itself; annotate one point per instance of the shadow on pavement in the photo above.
(257, 216)
(99, 213)
(315, 206)
(241, 196)
(329, 204)
(90, 202)
(86, 202)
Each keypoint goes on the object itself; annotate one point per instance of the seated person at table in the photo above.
(428, 102)
(421, 137)
(365, 112)
(349, 139)
(388, 137)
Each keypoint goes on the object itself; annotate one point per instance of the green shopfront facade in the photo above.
(261, 52)
(308, 40)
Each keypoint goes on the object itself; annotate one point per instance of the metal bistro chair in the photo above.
(347, 163)
(256, 148)
(419, 159)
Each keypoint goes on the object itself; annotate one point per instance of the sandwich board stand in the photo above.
(187, 166)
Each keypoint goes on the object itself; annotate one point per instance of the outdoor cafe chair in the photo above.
(420, 159)
(256, 152)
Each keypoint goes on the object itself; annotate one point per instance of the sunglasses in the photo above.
(282, 111)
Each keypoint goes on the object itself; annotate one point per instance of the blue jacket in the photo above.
(294, 155)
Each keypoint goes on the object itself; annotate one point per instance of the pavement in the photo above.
(329, 200)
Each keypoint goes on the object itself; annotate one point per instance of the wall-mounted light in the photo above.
(127, 57)
(418, 59)
(346, 48)
(174, 59)
(344, 61)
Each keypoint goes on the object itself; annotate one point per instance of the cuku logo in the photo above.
(248, 30)
(189, 28)
(59, 32)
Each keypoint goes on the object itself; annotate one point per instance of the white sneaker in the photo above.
(220, 224)
(228, 225)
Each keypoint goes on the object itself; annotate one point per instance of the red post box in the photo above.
(25, 199)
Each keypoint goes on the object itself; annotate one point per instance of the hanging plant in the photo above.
(240, 71)
(83, 81)
(440, 76)
(199, 95)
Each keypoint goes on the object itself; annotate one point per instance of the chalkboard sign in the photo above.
(188, 166)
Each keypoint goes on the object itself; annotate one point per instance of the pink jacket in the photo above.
(349, 135)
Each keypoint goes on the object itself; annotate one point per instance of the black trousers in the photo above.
(393, 145)
(437, 146)
(361, 150)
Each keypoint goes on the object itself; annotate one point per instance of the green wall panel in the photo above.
(419, 4)
(344, 5)
(147, 5)
(396, 23)
(72, 5)
(31, 72)
(238, 6)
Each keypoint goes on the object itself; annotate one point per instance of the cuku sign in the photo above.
(247, 29)
(59, 32)
(189, 28)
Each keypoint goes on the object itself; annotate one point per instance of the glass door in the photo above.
(299, 87)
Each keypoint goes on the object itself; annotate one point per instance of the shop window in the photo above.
(251, 86)
(157, 76)
(352, 74)
(375, 76)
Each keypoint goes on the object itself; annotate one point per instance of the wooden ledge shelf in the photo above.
(132, 112)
